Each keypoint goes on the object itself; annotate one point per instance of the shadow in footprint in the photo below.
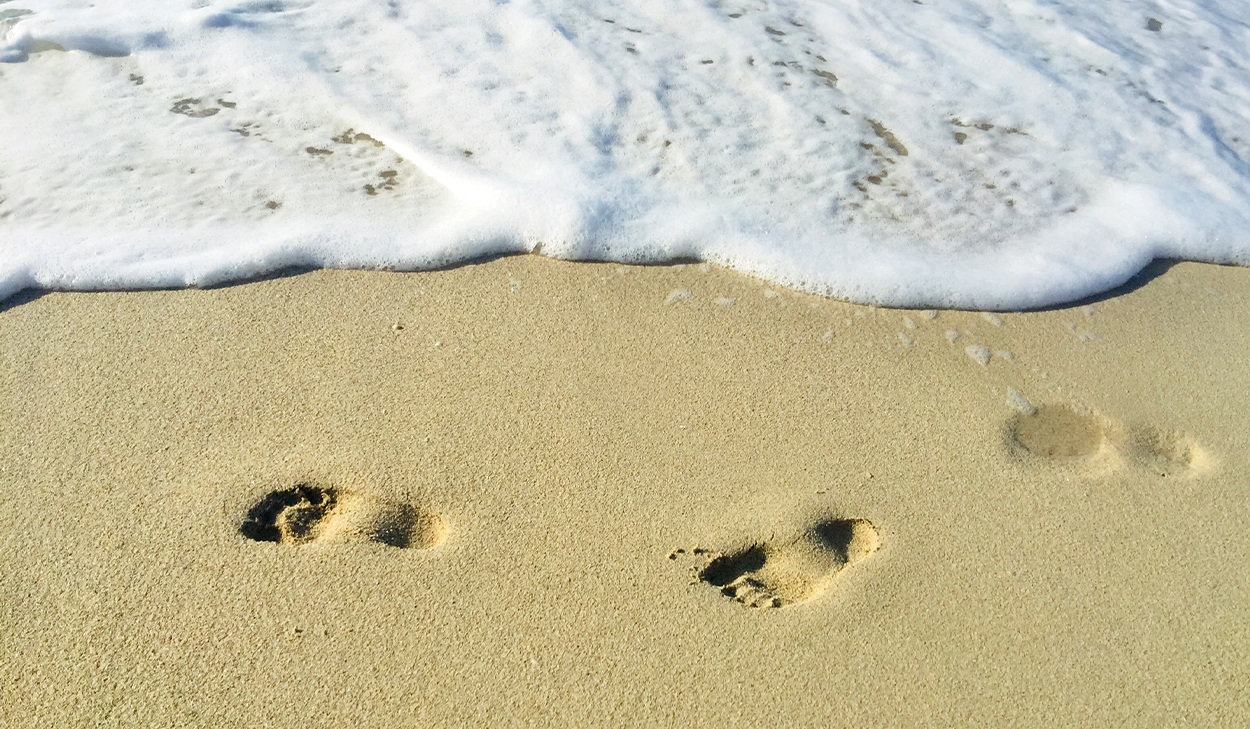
(289, 516)
(310, 513)
(770, 575)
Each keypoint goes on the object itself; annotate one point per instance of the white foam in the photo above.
(678, 295)
(970, 153)
(1020, 402)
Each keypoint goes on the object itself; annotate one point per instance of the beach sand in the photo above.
(532, 492)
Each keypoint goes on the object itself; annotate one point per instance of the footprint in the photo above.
(1056, 431)
(1059, 433)
(308, 513)
(1166, 453)
(771, 575)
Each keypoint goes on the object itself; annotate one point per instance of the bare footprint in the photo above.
(771, 575)
(1060, 434)
(1056, 431)
(308, 513)
(1166, 453)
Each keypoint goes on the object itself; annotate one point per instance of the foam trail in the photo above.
(977, 153)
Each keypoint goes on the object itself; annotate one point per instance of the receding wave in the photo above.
(967, 153)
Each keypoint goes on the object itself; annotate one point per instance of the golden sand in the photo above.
(529, 492)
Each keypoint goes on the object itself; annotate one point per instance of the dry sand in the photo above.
(529, 492)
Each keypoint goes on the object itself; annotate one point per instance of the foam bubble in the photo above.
(962, 154)
(1018, 401)
(678, 295)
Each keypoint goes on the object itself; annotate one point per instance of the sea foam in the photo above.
(990, 154)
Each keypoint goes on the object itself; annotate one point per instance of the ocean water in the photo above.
(992, 154)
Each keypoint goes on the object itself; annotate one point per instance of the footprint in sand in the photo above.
(773, 575)
(1059, 433)
(1166, 453)
(308, 513)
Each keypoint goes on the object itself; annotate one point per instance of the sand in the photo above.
(530, 492)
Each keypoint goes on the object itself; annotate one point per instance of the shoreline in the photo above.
(1155, 268)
